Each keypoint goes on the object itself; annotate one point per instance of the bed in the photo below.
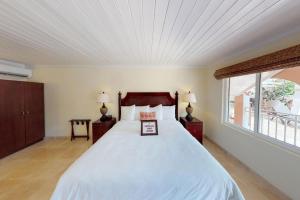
(124, 165)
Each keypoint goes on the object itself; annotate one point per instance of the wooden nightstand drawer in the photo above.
(195, 127)
(195, 130)
(98, 131)
(100, 128)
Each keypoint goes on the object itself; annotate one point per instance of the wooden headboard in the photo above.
(148, 98)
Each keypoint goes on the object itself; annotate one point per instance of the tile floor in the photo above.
(32, 173)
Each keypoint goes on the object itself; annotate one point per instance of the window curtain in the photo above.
(285, 58)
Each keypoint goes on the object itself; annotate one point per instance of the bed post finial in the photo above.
(176, 103)
(119, 102)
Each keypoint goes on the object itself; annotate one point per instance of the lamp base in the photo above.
(103, 111)
(103, 118)
(189, 117)
(189, 110)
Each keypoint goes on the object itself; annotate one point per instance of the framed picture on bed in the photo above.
(149, 127)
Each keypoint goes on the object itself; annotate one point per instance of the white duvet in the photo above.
(123, 165)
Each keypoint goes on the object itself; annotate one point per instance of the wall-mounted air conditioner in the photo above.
(14, 69)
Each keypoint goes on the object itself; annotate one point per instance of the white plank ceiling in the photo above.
(140, 32)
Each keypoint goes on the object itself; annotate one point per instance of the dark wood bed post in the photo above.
(176, 104)
(119, 101)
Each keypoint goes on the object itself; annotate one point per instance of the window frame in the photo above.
(255, 134)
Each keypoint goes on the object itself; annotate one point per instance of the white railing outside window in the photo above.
(281, 128)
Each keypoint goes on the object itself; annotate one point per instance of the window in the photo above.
(266, 103)
(241, 101)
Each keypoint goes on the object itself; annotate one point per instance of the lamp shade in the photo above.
(191, 97)
(103, 98)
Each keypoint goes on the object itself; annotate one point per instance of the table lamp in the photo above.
(103, 98)
(191, 98)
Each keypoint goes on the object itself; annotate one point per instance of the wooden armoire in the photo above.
(21, 115)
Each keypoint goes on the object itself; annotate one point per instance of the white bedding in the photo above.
(124, 165)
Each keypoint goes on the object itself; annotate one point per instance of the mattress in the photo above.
(123, 165)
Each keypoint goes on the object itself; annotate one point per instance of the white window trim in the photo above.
(257, 102)
(255, 134)
(225, 100)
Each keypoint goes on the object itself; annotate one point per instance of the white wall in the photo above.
(72, 92)
(277, 165)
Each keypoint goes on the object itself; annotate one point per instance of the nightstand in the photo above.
(195, 127)
(100, 128)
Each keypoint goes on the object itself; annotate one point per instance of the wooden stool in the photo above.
(77, 122)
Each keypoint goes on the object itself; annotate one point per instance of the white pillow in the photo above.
(168, 112)
(158, 111)
(127, 112)
(139, 109)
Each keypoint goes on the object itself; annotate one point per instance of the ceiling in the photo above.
(144, 32)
